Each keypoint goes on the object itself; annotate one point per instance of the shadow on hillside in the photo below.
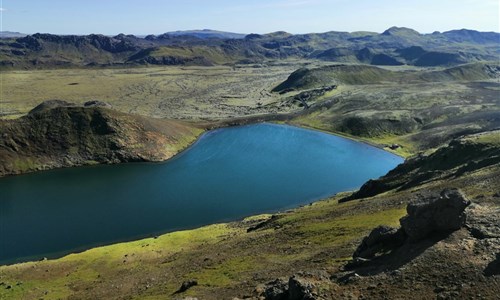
(493, 267)
(397, 258)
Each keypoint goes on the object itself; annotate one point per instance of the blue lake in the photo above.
(227, 174)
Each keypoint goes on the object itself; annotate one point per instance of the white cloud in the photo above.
(3, 9)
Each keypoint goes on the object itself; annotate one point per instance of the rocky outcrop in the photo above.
(301, 289)
(276, 290)
(100, 42)
(298, 287)
(61, 134)
(461, 156)
(433, 214)
(483, 222)
(380, 240)
(186, 285)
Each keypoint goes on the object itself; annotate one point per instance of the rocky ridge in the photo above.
(395, 46)
(59, 134)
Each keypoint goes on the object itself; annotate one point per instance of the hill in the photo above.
(405, 110)
(363, 74)
(11, 34)
(395, 46)
(59, 134)
(330, 75)
(207, 34)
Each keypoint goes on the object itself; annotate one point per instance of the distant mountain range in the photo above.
(207, 34)
(11, 34)
(395, 46)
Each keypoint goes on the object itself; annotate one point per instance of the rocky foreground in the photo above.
(442, 250)
(59, 134)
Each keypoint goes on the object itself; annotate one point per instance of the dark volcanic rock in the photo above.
(435, 214)
(385, 60)
(461, 155)
(381, 239)
(431, 59)
(297, 288)
(493, 267)
(186, 285)
(482, 222)
(441, 213)
(276, 290)
(300, 289)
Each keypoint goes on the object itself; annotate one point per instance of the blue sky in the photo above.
(257, 16)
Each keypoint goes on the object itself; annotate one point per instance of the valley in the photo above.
(433, 99)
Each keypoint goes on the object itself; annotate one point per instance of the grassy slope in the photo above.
(419, 110)
(355, 74)
(154, 267)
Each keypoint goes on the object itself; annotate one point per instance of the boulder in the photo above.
(439, 214)
(186, 285)
(381, 239)
(434, 213)
(297, 288)
(276, 290)
(300, 289)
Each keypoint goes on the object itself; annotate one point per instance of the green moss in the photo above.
(227, 272)
(492, 138)
(25, 164)
(344, 229)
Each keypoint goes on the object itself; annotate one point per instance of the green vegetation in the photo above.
(205, 254)
(337, 74)
(166, 92)
(414, 111)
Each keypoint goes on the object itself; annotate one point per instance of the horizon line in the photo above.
(223, 31)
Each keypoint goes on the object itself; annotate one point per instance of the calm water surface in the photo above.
(228, 174)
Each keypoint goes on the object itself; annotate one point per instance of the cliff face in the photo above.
(59, 134)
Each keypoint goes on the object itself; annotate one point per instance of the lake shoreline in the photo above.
(250, 158)
(206, 127)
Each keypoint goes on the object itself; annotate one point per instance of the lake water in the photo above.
(226, 175)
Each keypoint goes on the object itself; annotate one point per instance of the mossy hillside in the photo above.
(218, 256)
(461, 156)
(87, 267)
(419, 116)
(211, 54)
(69, 135)
(357, 74)
(333, 75)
